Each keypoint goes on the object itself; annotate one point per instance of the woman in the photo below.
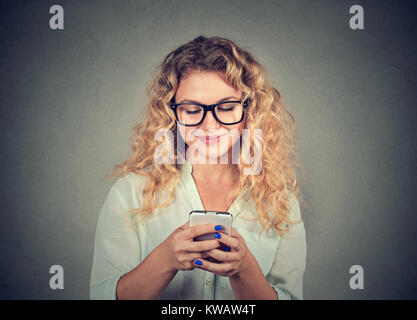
(205, 95)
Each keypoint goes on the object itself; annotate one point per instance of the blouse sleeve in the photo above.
(286, 274)
(116, 247)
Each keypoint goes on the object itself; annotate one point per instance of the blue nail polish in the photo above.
(226, 248)
(218, 227)
(198, 262)
(217, 235)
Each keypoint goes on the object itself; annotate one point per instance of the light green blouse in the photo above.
(119, 248)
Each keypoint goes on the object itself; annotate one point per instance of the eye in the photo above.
(228, 106)
(224, 109)
(192, 112)
(190, 109)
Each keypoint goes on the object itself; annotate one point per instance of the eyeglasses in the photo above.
(191, 114)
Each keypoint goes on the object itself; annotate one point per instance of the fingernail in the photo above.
(226, 249)
(198, 262)
(218, 227)
(217, 235)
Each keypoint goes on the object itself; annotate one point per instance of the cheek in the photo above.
(187, 132)
(235, 134)
(239, 129)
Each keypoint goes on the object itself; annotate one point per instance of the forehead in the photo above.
(205, 87)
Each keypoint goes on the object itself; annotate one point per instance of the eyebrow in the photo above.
(221, 100)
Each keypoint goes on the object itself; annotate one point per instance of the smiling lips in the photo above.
(210, 139)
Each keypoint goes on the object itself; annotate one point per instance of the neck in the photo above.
(216, 173)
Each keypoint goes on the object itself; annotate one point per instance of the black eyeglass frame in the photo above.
(207, 108)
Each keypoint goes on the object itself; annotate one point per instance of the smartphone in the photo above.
(198, 217)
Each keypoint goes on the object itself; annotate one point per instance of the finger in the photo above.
(204, 255)
(227, 240)
(222, 255)
(198, 230)
(234, 233)
(199, 246)
(213, 267)
(190, 257)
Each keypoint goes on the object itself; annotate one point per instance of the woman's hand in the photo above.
(232, 260)
(180, 251)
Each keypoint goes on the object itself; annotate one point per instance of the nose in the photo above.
(210, 122)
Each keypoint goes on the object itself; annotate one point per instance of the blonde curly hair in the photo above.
(270, 189)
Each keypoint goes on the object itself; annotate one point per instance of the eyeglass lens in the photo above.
(228, 112)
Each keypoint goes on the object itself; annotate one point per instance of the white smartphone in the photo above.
(198, 217)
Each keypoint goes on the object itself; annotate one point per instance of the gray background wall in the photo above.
(69, 99)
